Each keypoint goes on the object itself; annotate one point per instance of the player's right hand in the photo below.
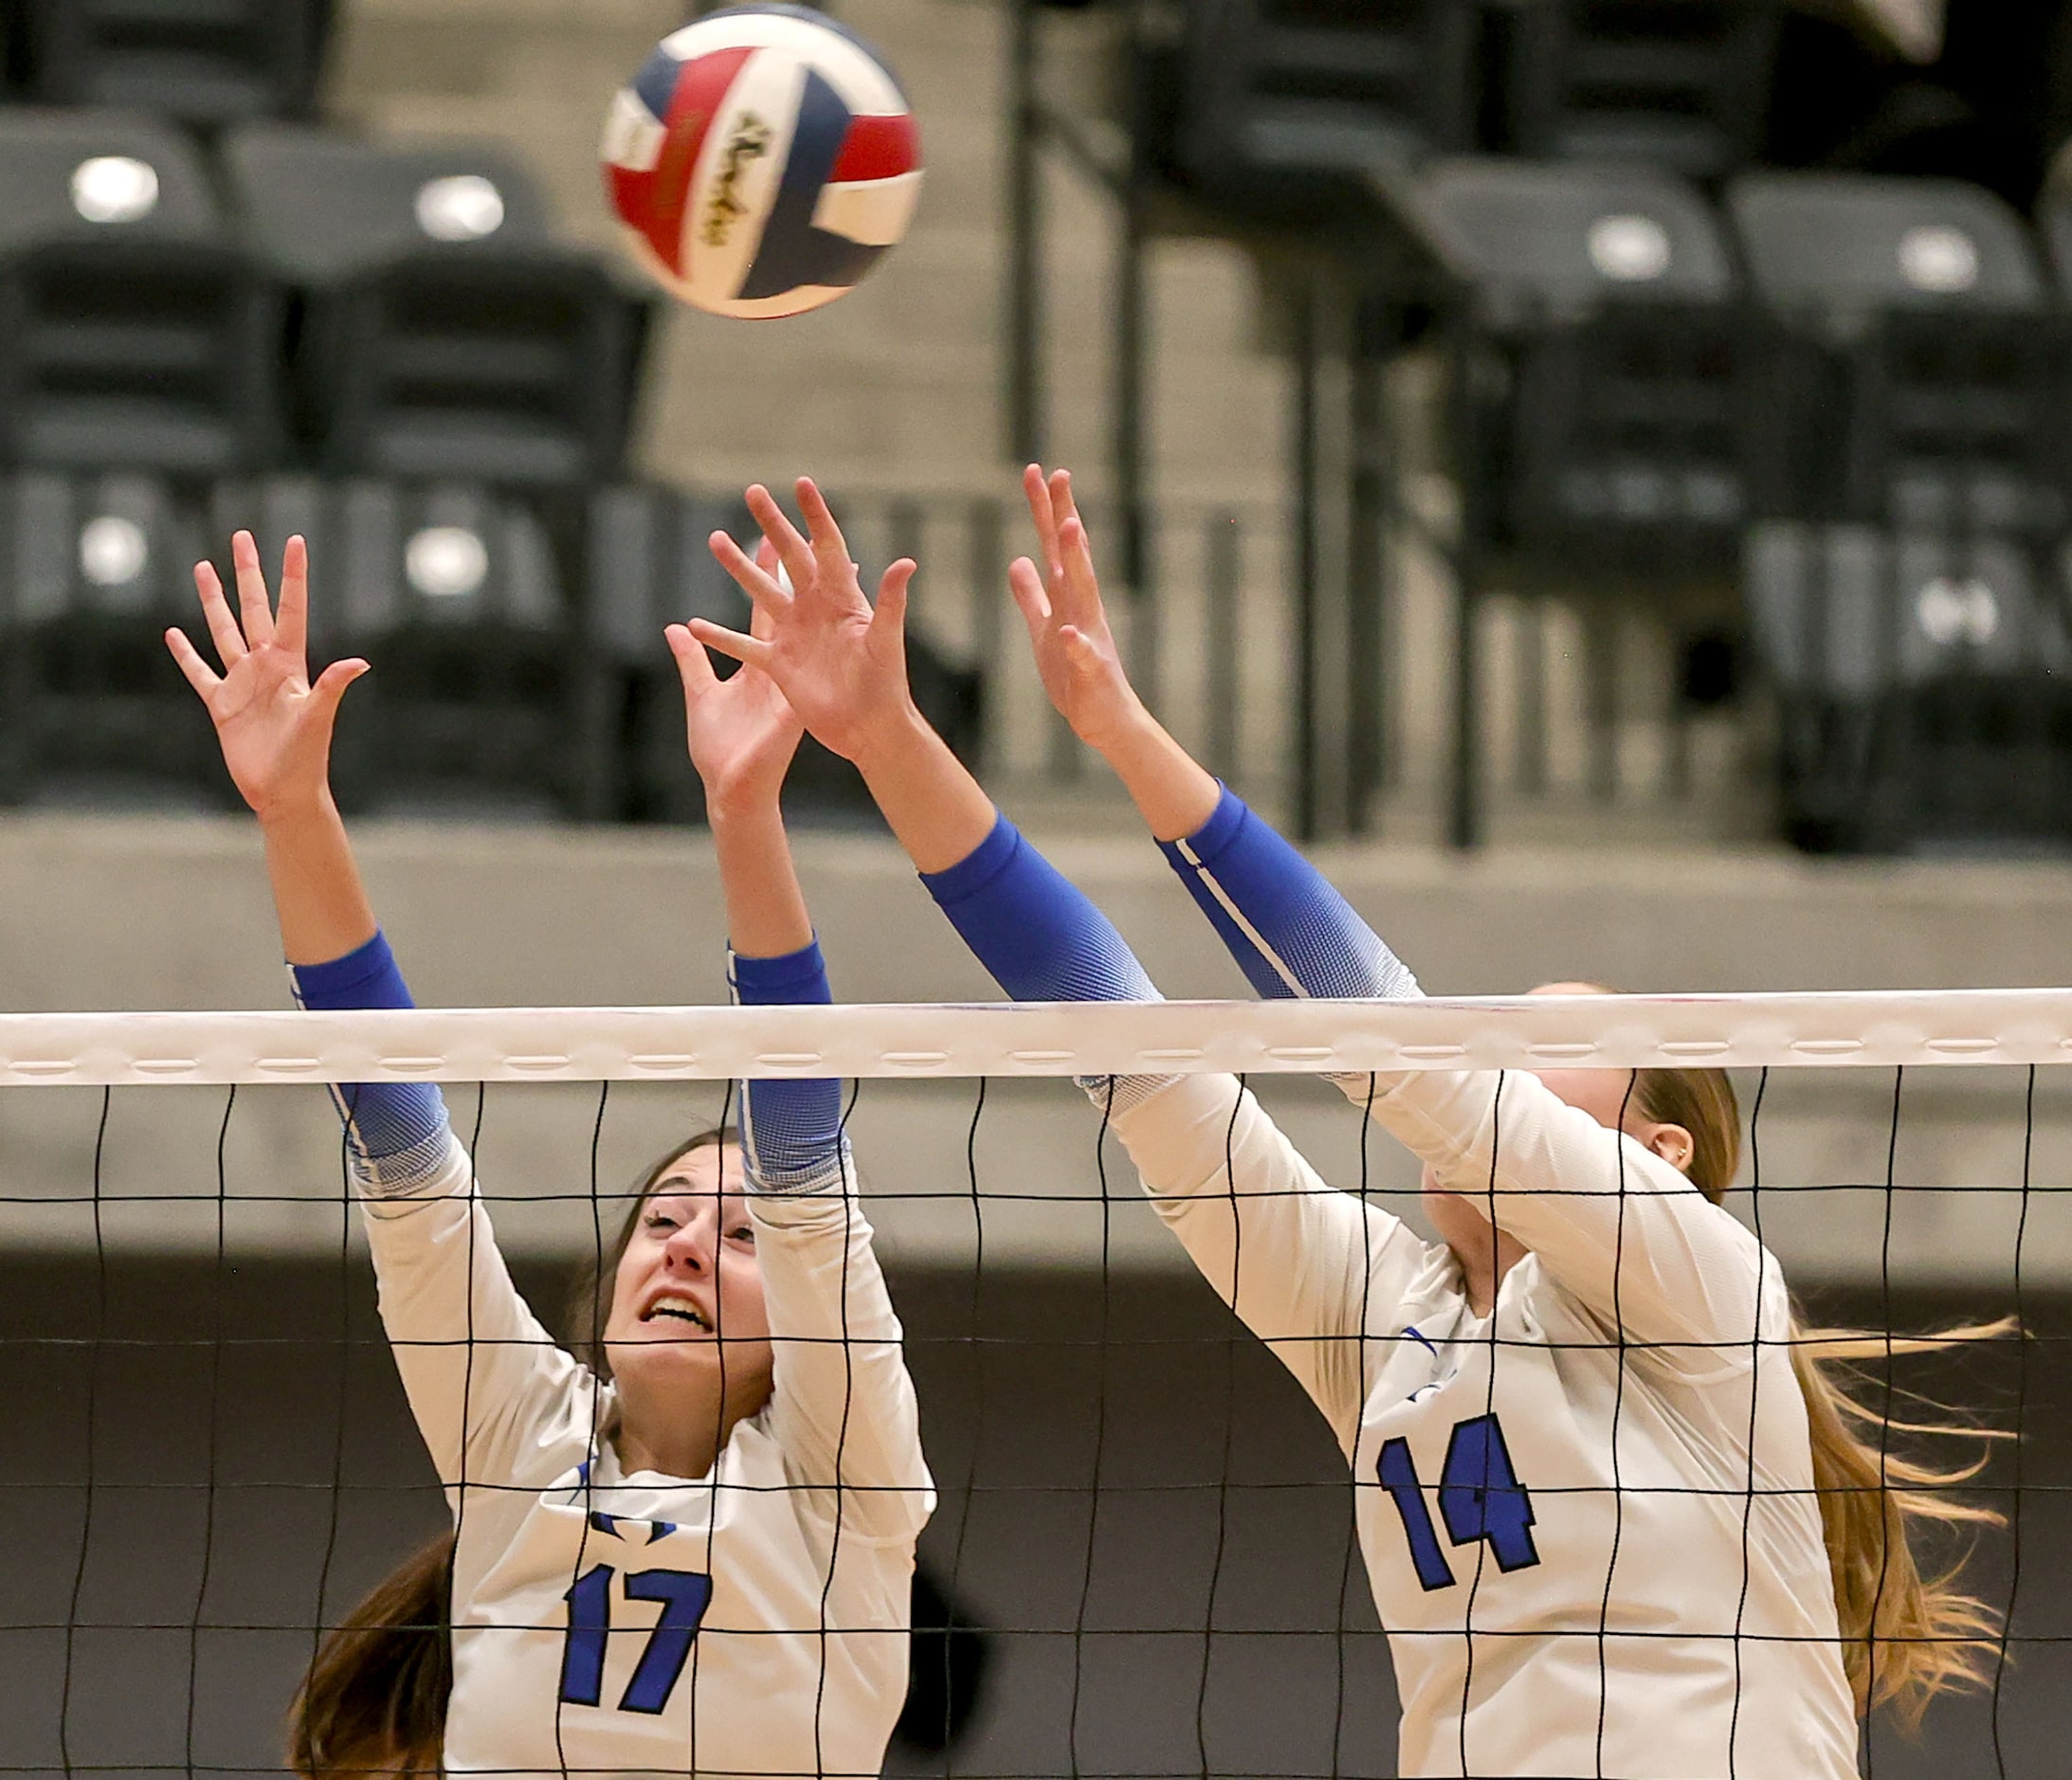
(274, 726)
(838, 660)
(742, 731)
(1076, 653)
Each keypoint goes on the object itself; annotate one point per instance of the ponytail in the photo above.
(374, 1699)
(1906, 1636)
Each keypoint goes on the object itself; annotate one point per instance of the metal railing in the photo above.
(1220, 636)
(1580, 704)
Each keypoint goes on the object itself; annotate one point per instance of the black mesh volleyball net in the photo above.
(1146, 1552)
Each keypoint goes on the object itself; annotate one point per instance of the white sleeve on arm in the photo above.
(1305, 1267)
(843, 1410)
(492, 1395)
(1617, 1226)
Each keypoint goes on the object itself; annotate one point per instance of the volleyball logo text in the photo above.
(751, 142)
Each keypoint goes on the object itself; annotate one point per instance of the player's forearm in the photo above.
(1173, 792)
(846, 1405)
(1617, 1226)
(791, 1130)
(483, 1376)
(318, 896)
(1037, 933)
(1289, 931)
(766, 909)
(1302, 1263)
(938, 811)
(396, 1132)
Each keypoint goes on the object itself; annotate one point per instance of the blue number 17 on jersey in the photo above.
(683, 1595)
(1479, 1498)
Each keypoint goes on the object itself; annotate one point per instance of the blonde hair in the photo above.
(1906, 1635)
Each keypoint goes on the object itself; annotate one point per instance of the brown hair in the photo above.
(374, 1699)
(1906, 1635)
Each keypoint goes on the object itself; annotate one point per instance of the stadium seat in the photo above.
(484, 697)
(92, 709)
(201, 61)
(1600, 355)
(1679, 83)
(1287, 103)
(1917, 425)
(1925, 385)
(1922, 687)
(649, 566)
(133, 330)
(446, 333)
(1609, 293)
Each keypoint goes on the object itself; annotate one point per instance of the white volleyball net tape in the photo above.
(1146, 1554)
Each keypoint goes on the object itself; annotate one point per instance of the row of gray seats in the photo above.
(1852, 395)
(203, 62)
(519, 653)
(301, 297)
(1815, 345)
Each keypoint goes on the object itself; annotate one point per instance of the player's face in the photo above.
(688, 1283)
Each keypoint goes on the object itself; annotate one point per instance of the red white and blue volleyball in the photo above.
(763, 161)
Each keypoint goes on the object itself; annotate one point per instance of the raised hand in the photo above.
(839, 660)
(274, 726)
(1075, 654)
(742, 729)
(1083, 672)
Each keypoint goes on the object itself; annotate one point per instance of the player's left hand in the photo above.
(742, 729)
(1076, 653)
(840, 661)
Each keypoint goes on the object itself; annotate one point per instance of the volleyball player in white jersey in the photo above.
(1605, 1517)
(696, 1558)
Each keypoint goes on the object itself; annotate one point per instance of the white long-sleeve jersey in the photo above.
(752, 1622)
(1589, 1518)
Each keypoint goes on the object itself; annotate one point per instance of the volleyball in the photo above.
(762, 160)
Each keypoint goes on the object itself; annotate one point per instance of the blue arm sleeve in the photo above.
(397, 1130)
(1290, 932)
(792, 1130)
(1033, 928)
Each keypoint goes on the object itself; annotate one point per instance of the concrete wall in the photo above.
(141, 912)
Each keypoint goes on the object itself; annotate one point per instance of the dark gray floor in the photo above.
(251, 1464)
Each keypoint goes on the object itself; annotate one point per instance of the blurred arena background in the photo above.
(1597, 469)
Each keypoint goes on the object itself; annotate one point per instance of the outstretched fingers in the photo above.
(200, 676)
(1072, 589)
(1037, 489)
(754, 578)
(888, 616)
(831, 549)
(694, 667)
(1077, 595)
(1063, 505)
(793, 552)
(753, 651)
(1026, 582)
(331, 686)
(223, 630)
(255, 607)
(291, 625)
